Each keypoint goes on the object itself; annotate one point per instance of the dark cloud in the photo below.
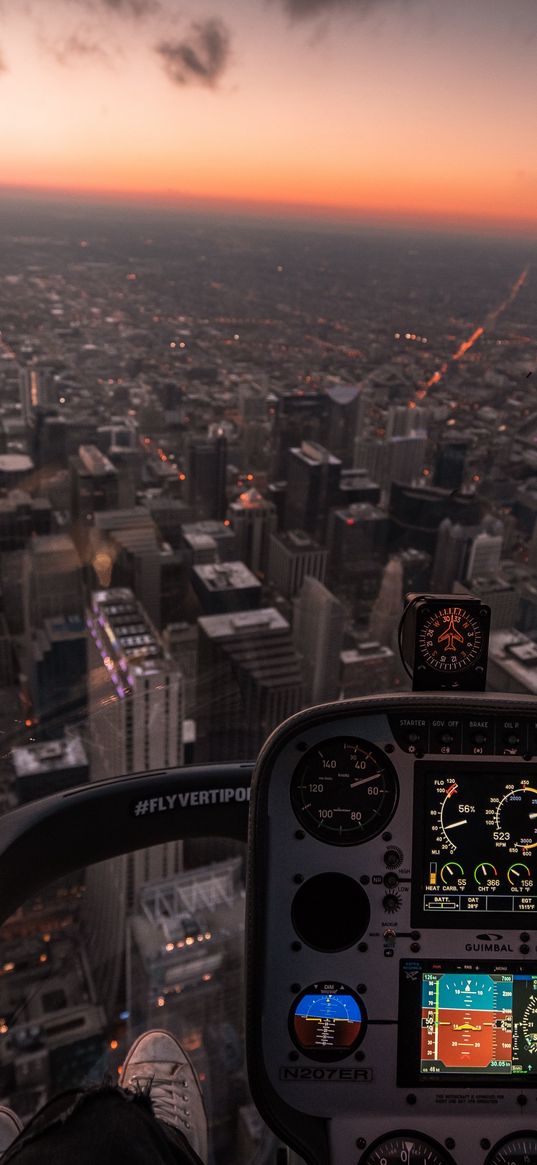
(200, 57)
(138, 8)
(132, 7)
(75, 47)
(302, 9)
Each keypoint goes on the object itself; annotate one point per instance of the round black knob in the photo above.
(393, 858)
(391, 903)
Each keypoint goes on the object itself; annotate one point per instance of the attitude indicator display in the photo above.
(327, 1021)
(470, 1022)
(477, 848)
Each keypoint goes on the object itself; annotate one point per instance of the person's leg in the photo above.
(155, 1117)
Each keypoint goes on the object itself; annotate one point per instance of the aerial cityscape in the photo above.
(268, 364)
(229, 449)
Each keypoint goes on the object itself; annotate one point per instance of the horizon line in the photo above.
(343, 213)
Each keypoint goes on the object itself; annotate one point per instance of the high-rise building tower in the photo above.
(356, 535)
(292, 556)
(485, 552)
(135, 725)
(312, 487)
(206, 479)
(345, 421)
(416, 513)
(318, 627)
(450, 463)
(396, 459)
(252, 519)
(249, 680)
(37, 388)
(94, 487)
(403, 420)
(141, 728)
(451, 555)
(388, 607)
(299, 416)
(52, 580)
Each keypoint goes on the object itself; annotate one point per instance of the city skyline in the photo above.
(393, 113)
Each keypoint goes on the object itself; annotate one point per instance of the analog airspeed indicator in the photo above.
(450, 639)
(344, 791)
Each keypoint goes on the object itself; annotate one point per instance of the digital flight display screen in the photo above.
(467, 1022)
(475, 846)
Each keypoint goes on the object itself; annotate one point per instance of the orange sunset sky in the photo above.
(424, 108)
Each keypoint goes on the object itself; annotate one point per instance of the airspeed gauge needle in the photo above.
(366, 780)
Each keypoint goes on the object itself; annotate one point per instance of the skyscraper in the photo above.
(356, 535)
(388, 607)
(403, 420)
(206, 477)
(299, 416)
(485, 552)
(450, 463)
(135, 725)
(292, 556)
(345, 421)
(249, 680)
(318, 626)
(451, 555)
(252, 519)
(52, 580)
(312, 487)
(94, 487)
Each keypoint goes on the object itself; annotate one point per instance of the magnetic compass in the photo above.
(444, 641)
(413, 1148)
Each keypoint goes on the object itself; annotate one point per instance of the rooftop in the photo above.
(251, 499)
(15, 463)
(243, 623)
(210, 528)
(225, 576)
(365, 651)
(124, 635)
(95, 462)
(517, 655)
(361, 512)
(315, 454)
(65, 753)
(297, 541)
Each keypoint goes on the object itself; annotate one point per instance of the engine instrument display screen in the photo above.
(463, 1021)
(477, 848)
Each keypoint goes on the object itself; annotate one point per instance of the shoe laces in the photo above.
(169, 1097)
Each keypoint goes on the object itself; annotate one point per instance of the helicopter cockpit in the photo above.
(391, 964)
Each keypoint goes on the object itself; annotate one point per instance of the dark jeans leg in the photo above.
(102, 1126)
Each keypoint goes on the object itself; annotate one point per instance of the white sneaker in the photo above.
(10, 1127)
(157, 1062)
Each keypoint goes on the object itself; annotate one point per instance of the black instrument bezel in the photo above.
(329, 836)
(457, 919)
(409, 1026)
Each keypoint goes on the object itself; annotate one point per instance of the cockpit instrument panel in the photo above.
(392, 930)
(476, 844)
